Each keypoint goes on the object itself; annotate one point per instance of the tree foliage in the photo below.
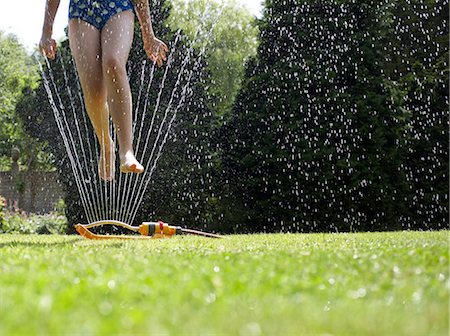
(420, 65)
(230, 32)
(320, 135)
(17, 71)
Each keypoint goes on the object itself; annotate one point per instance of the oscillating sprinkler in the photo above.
(148, 230)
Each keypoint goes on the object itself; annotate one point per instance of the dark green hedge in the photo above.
(342, 122)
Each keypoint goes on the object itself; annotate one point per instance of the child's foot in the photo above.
(129, 164)
(106, 165)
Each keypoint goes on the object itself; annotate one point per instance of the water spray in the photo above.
(148, 230)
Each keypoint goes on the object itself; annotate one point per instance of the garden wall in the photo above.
(35, 192)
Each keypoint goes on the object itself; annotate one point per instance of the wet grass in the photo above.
(358, 284)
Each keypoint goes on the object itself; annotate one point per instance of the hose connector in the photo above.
(159, 229)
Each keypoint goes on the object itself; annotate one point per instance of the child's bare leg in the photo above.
(117, 38)
(86, 49)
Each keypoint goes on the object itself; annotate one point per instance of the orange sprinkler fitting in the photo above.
(148, 230)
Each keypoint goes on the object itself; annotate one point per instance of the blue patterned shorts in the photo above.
(97, 12)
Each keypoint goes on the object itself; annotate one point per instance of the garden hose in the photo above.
(148, 230)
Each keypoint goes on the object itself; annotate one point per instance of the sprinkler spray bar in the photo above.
(148, 230)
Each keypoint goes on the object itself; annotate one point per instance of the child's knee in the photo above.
(113, 66)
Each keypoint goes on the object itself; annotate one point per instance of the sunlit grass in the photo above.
(379, 283)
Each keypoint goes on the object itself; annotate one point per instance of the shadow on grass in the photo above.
(119, 244)
(17, 243)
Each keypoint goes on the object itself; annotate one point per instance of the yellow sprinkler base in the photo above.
(148, 230)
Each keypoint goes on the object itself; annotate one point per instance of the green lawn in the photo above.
(353, 284)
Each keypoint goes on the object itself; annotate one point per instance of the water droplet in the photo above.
(210, 298)
(111, 284)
